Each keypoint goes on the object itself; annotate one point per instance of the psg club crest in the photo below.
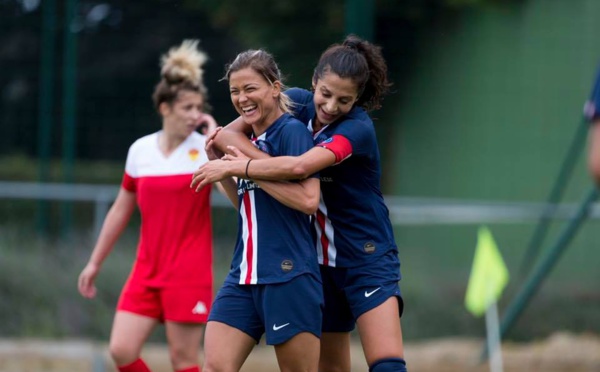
(287, 265)
(321, 138)
(369, 247)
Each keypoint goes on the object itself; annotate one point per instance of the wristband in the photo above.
(247, 165)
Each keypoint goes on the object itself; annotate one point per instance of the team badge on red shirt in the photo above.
(193, 154)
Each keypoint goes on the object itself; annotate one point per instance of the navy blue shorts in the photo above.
(351, 292)
(280, 310)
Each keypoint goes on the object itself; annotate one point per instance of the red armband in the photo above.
(339, 145)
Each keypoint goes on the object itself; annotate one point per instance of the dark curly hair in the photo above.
(362, 62)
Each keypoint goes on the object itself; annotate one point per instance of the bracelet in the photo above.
(247, 165)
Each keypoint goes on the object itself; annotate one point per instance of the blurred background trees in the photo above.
(117, 47)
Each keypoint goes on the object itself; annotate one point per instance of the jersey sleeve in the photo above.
(352, 137)
(302, 100)
(591, 110)
(129, 183)
(130, 176)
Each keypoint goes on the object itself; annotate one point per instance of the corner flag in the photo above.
(489, 274)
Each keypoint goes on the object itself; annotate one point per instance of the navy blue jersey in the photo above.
(592, 106)
(352, 224)
(274, 242)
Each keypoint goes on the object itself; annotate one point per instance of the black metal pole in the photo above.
(566, 169)
(547, 263)
(46, 103)
(69, 107)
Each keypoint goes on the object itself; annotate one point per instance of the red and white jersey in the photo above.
(175, 247)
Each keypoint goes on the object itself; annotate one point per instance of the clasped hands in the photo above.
(220, 165)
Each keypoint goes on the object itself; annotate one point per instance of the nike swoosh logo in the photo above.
(277, 328)
(368, 294)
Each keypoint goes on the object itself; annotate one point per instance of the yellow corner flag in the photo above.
(489, 274)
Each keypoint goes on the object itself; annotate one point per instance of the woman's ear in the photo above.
(276, 88)
(164, 109)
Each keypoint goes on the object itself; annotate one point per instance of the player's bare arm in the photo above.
(117, 218)
(287, 167)
(229, 186)
(594, 152)
(302, 196)
(231, 137)
(235, 164)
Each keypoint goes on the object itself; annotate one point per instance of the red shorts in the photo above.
(172, 304)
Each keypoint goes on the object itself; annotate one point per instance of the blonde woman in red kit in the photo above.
(171, 280)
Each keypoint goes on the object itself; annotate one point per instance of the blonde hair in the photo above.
(181, 69)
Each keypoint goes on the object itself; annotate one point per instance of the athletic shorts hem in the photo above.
(230, 324)
(380, 301)
(135, 312)
(280, 340)
(186, 321)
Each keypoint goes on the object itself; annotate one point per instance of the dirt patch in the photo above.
(561, 352)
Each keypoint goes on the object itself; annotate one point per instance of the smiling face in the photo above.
(334, 97)
(182, 117)
(254, 98)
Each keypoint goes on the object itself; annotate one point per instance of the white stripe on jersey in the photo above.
(250, 240)
(325, 242)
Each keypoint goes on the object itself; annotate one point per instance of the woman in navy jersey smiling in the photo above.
(274, 284)
(354, 238)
